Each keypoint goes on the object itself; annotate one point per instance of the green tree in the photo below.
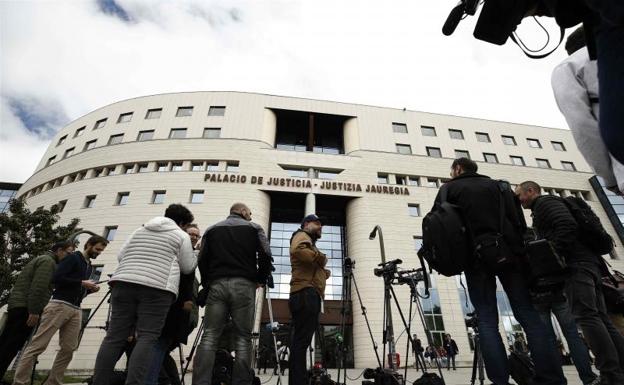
(25, 234)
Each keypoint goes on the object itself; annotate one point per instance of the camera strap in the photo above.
(524, 49)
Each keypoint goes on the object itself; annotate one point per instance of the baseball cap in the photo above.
(309, 218)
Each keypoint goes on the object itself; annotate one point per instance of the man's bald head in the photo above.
(241, 209)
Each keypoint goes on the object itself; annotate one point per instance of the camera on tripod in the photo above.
(387, 269)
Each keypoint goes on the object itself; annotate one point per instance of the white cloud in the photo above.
(388, 54)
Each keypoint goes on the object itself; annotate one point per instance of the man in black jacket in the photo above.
(231, 272)
(479, 198)
(553, 221)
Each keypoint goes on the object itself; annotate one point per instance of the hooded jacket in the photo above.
(308, 264)
(155, 254)
(33, 287)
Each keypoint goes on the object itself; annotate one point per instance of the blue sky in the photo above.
(61, 59)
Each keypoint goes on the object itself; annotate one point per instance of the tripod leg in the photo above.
(189, 359)
(279, 369)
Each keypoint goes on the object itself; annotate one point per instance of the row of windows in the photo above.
(410, 180)
(435, 152)
(145, 135)
(483, 137)
(123, 198)
(154, 113)
(141, 167)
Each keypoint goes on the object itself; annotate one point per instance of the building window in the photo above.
(69, 152)
(428, 131)
(543, 163)
(176, 166)
(296, 172)
(490, 158)
(212, 132)
(326, 174)
(51, 160)
(197, 196)
(98, 172)
(418, 242)
(177, 133)
(99, 124)
(558, 146)
(310, 132)
(89, 201)
(414, 210)
(456, 134)
(122, 198)
(534, 143)
(433, 182)
(434, 152)
(399, 128)
(61, 205)
(212, 165)
(79, 132)
(89, 145)
(112, 170)
(61, 140)
(162, 167)
(483, 137)
(184, 111)
(197, 166)
(143, 167)
(462, 154)
(158, 196)
(128, 169)
(509, 140)
(568, 166)
(232, 167)
(153, 113)
(413, 180)
(517, 160)
(405, 149)
(115, 139)
(216, 111)
(109, 233)
(145, 135)
(125, 118)
(382, 178)
(71, 178)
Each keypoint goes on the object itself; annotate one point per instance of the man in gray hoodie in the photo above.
(575, 85)
(144, 286)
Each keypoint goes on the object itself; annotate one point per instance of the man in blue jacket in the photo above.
(63, 313)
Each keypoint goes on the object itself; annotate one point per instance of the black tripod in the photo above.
(343, 349)
(477, 358)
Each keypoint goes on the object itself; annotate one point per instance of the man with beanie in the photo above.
(144, 286)
(30, 294)
(307, 289)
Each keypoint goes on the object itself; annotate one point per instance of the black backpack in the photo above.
(447, 245)
(590, 230)
(429, 379)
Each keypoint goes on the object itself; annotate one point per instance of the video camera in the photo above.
(387, 268)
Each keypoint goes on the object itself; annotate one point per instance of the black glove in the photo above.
(201, 297)
(269, 281)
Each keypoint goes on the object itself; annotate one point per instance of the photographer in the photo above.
(30, 294)
(144, 286)
(554, 222)
(62, 313)
(307, 289)
(481, 199)
(235, 259)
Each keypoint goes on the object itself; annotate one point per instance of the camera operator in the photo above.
(307, 289)
(480, 200)
(575, 85)
(554, 222)
(144, 286)
(30, 294)
(227, 264)
(63, 313)
(181, 321)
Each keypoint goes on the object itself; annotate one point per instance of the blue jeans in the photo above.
(482, 290)
(161, 349)
(578, 350)
(227, 297)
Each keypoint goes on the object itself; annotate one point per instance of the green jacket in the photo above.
(33, 286)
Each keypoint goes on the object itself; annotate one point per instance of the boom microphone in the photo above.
(453, 19)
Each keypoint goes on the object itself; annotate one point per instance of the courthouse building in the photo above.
(356, 166)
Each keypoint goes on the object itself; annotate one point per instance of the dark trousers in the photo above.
(448, 362)
(610, 50)
(584, 292)
(482, 290)
(133, 306)
(13, 337)
(305, 308)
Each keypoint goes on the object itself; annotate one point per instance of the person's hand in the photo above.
(90, 285)
(259, 285)
(327, 273)
(32, 320)
(187, 306)
(95, 290)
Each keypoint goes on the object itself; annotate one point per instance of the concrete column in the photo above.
(310, 204)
